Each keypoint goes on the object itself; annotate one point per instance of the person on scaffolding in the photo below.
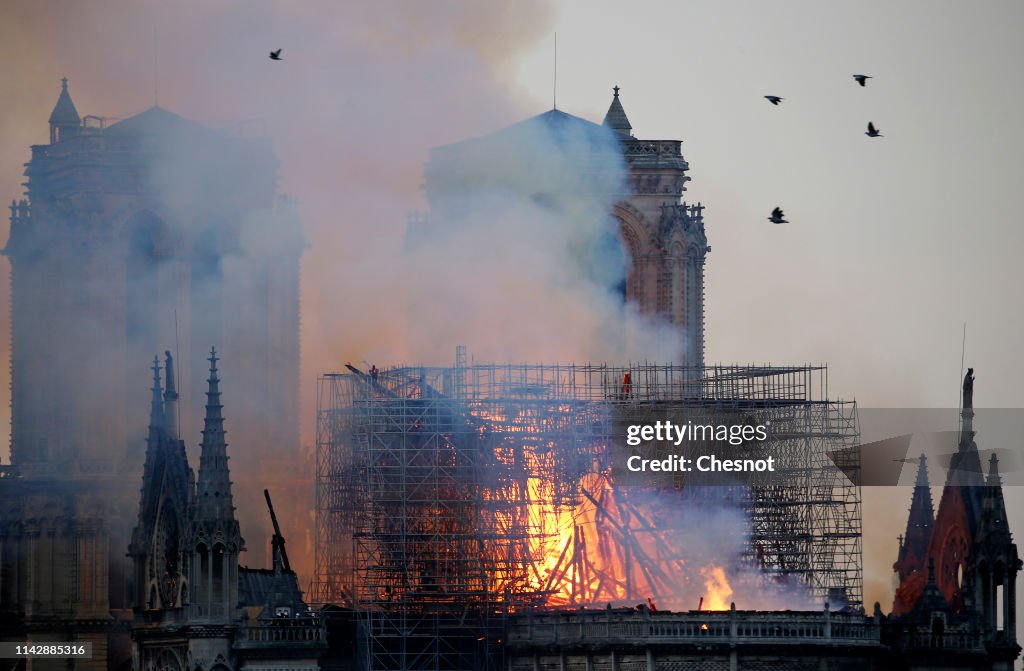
(374, 372)
(627, 384)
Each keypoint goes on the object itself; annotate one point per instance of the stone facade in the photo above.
(641, 640)
(664, 236)
(195, 608)
(150, 233)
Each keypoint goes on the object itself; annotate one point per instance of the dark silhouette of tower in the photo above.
(911, 566)
(195, 608)
(967, 598)
(149, 233)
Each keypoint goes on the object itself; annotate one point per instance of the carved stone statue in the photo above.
(969, 389)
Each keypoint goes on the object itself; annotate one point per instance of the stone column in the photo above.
(1007, 591)
(1011, 599)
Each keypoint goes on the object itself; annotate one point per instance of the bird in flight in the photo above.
(275, 55)
(777, 216)
(862, 79)
(775, 100)
(872, 131)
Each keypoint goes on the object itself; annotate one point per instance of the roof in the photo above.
(555, 124)
(64, 112)
(268, 588)
(158, 121)
(546, 153)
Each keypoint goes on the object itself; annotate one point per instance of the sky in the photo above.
(893, 244)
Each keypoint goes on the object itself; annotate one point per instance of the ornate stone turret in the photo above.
(914, 543)
(616, 118)
(214, 501)
(154, 442)
(157, 547)
(996, 563)
(215, 535)
(64, 120)
(913, 553)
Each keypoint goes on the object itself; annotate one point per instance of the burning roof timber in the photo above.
(489, 484)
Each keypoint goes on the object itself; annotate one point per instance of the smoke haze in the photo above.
(363, 93)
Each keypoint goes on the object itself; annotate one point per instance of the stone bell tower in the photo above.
(663, 234)
(149, 233)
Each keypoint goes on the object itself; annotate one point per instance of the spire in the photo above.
(914, 547)
(616, 118)
(965, 467)
(215, 502)
(994, 527)
(170, 399)
(967, 409)
(993, 479)
(64, 119)
(156, 408)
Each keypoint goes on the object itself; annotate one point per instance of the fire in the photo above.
(562, 547)
(718, 589)
(589, 546)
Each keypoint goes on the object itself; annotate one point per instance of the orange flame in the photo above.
(718, 588)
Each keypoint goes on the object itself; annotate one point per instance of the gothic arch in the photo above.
(633, 226)
(952, 564)
(633, 233)
(167, 660)
(131, 214)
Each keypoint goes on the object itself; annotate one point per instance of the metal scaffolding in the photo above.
(448, 497)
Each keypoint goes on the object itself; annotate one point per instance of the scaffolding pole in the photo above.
(450, 497)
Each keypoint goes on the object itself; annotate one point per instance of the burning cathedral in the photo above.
(472, 517)
(467, 517)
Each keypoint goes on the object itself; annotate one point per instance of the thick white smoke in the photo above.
(519, 256)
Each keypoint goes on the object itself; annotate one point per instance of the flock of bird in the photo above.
(777, 215)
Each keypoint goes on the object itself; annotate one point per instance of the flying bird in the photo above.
(776, 217)
(872, 131)
(775, 100)
(862, 79)
(275, 55)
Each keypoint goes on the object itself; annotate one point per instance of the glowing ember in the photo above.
(718, 589)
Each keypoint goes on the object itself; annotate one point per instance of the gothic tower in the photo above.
(661, 236)
(664, 236)
(970, 589)
(151, 230)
